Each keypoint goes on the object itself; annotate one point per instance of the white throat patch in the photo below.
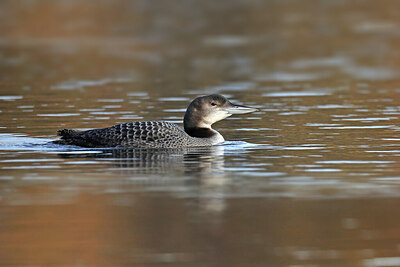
(213, 117)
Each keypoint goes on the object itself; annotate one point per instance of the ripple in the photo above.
(290, 113)
(175, 110)
(305, 147)
(395, 179)
(80, 84)
(30, 167)
(112, 106)
(236, 169)
(10, 97)
(382, 262)
(297, 93)
(323, 170)
(20, 142)
(28, 160)
(263, 174)
(91, 109)
(354, 161)
(358, 127)
(383, 151)
(375, 27)
(111, 100)
(371, 73)
(58, 114)
(79, 151)
(23, 107)
(81, 162)
(138, 94)
(105, 113)
(321, 124)
(333, 106)
(226, 41)
(369, 119)
(167, 99)
(256, 129)
(235, 86)
(130, 117)
(236, 144)
(288, 77)
(320, 62)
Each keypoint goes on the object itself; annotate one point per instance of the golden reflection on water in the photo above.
(312, 178)
(157, 229)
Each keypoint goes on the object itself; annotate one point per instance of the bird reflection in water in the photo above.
(204, 181)
(190, 161)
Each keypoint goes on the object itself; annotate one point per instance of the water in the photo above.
(312, 179)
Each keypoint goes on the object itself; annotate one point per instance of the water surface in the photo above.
(311, 179)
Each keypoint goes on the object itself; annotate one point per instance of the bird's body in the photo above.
(197, 131)
(146, 134)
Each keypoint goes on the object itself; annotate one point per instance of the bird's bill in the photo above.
(239, 109)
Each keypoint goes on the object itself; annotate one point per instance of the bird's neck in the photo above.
(200, 132)
(198, 128)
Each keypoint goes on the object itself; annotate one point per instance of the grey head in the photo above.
(206, 110)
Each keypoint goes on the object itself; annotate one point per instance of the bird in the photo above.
(200, 115)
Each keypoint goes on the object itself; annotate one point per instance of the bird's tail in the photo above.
(67, 133)
(68, 137)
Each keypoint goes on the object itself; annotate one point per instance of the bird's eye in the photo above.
(213, 104)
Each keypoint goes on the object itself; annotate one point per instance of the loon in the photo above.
(201, 113)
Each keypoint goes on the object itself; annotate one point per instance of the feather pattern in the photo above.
(149, 134)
